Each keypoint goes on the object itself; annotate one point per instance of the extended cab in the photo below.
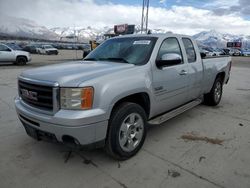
(124, 84)
(13, 54)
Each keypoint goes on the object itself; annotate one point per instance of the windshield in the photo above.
(48, 46)
(133, 50)
(14, 46)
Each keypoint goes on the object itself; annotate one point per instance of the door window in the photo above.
(190, 51)
(4, 48)
(169, 46)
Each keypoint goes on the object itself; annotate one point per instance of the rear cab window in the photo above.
(190, 51)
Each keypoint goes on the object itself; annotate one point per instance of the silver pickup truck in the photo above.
(110, 97)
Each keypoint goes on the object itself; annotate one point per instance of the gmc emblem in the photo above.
(29, 94)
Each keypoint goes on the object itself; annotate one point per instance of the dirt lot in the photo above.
(204, 147)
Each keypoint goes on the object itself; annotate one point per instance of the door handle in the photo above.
(183, 72)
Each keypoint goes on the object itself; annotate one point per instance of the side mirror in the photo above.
(168, 60)
(203, 55)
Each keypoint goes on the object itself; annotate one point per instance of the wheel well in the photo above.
(141, 99)
(22, 56)
(221, 75)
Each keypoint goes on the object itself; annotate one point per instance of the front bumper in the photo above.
(29, 58)
(52, 52)
(86, 127)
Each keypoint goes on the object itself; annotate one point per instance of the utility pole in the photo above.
(144, 17)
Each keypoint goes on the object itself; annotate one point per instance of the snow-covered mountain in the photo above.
(216, 39)
(26, 28)
(20, 27)
(88, 33)
(81, 33)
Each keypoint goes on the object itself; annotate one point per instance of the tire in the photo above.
(21, 61)
(124, 137)
(213, 98)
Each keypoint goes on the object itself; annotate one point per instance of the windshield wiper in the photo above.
(115, 59)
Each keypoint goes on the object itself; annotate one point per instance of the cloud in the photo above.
(179, 19)
(221, 3)
(243, 7)
(225, 7)
(162, 1)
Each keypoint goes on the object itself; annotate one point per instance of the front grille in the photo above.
(36, 95)
(52, 52)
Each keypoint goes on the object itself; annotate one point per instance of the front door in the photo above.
(170, 82)
(6, 54)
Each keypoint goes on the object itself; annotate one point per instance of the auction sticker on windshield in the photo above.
(146, 42)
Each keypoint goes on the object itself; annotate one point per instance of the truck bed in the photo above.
(213, 66)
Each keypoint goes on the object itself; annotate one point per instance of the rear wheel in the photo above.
(21, 61)
(213, 98)
(127, 131)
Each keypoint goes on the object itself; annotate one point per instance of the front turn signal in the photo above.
(87, 98)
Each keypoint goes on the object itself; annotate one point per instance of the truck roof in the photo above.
(158, 35)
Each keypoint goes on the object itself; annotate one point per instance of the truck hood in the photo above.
(74, 73)
(21, 52)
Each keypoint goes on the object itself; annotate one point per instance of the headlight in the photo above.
(76, 98)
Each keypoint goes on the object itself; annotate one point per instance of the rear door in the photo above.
(170, 83)
(6, 54)
(195, 69)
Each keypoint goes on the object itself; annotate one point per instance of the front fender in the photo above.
(112, 88)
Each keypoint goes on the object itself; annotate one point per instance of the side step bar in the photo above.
(162, 118)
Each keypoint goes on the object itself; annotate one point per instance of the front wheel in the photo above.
(127, 131)
(21, 61)
(213, 98)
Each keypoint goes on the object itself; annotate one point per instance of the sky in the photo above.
(179, 16)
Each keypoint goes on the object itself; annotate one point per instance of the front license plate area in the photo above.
(31, 131)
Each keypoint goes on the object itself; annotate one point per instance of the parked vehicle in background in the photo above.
(14, 46)
(31, 49)
(235, 52)
(13, 54)
(219, 52)
(121, 86)
(47, 49)
(215, 52)
(245, 52)
(226, 51)
(208, 51)
(71, 47)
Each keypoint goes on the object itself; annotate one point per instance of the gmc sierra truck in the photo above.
(109, 98)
